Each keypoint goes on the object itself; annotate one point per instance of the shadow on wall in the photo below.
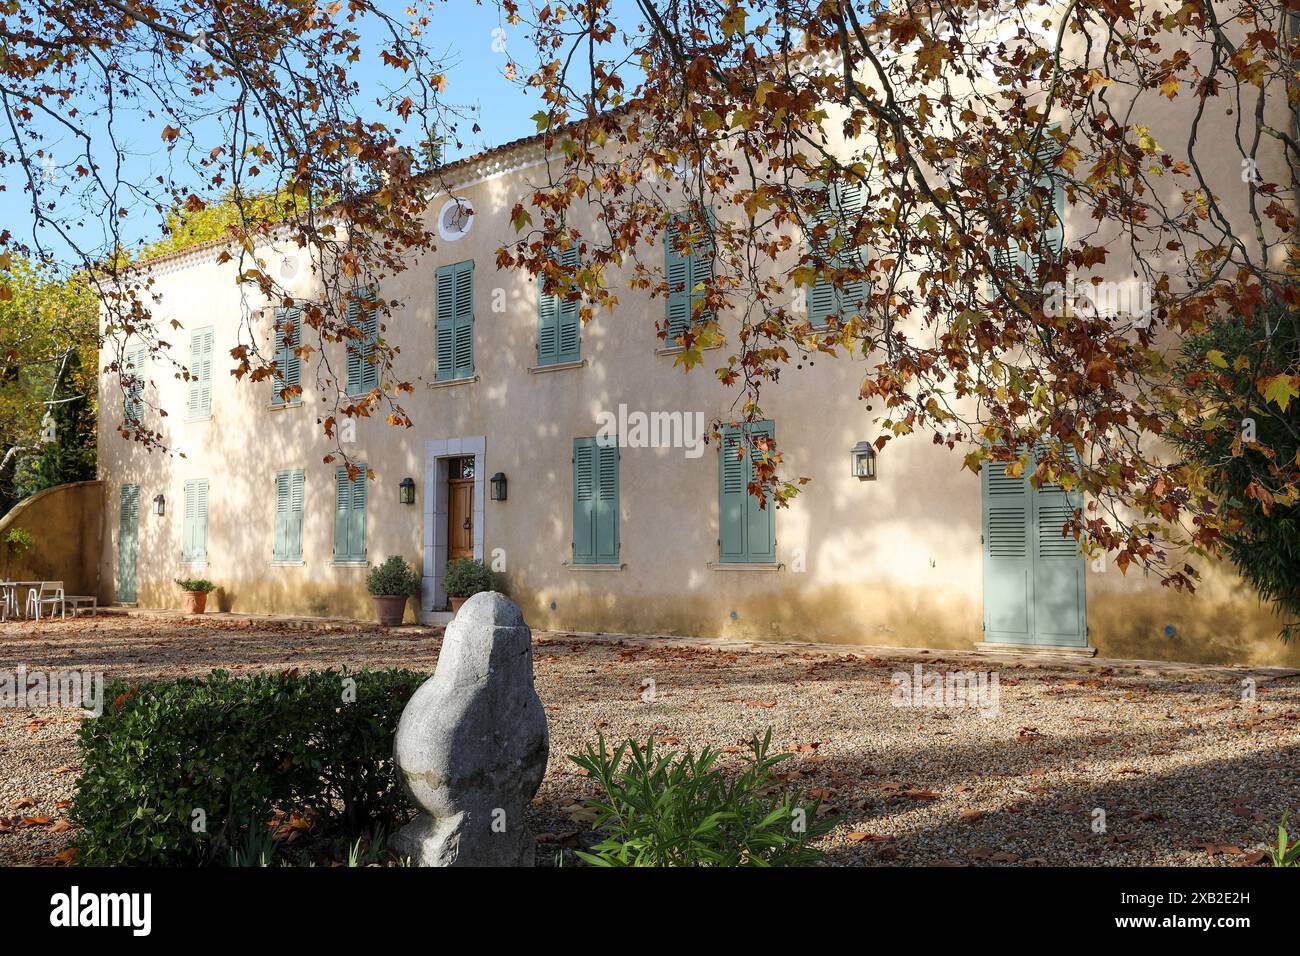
(65, 524)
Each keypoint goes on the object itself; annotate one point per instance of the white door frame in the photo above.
(437, 454)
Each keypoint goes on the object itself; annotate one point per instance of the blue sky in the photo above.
(477, 45)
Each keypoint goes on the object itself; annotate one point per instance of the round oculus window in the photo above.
(455, 219)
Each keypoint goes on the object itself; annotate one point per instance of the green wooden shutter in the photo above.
(584, 500)
(133, 409)
(677, 274)
(733, 481)
(746, 526)
(128, 543)
(363, 367)
(444, 325)
(548, 328)
(464, 321)
(1059, 616)
(280, 549)
(288, 364)
(194, 531)
(200, 391)
(288, 515)
(454, 321)
(686, 274)
(840, 210)
(559, 331)
(293, 536)
(350, 515)
(1008, 564)
(607, 504)
(760, 516)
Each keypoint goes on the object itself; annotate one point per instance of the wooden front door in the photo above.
(460, 509)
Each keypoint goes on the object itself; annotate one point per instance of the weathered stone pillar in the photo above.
(472, 743)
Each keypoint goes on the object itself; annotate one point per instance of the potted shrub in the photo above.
(390, 585)
(196, 593)
(465, 577)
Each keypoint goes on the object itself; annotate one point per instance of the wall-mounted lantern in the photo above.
(499, 486)
(406, 491)
(159, 505)
(864, 461)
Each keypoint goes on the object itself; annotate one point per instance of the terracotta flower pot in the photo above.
(389, 608)
(195, 601)
(455, 602)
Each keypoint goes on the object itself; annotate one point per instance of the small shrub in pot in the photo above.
(466, 577)
(390, 585)
(196, 591)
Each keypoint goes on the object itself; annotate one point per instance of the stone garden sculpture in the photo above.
(472, 743)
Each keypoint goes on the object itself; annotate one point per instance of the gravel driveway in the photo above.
(1187, 770)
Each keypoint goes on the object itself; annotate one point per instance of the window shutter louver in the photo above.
(568, 320)
(838, 214)
(194, 528)
(134, 406)
(548, 329)
(350, 515)
(296, 498)
(363, 369)
(444, 324)
(607, 504)
(746, 529)
(200, 384)
(288, 364)
(280, 548)
(686, 274)
(584, 500)
(464, 319)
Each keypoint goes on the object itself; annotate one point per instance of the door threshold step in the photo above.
(1063, 650)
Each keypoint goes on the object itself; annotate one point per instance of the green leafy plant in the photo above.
(1287, 851)
(20, 540)
(195, 771)
(201, 585)
(1249, 444)
(393, 577)
(681, 809)
(466, 577)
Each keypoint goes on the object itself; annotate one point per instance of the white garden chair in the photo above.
(48, 595)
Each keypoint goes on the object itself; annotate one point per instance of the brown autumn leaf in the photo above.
(60, 826)
(862, 836)
(760, 703)
(970, 816)
(24, 802)
(917, 794)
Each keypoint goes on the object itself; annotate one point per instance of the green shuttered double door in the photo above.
(1033, 576)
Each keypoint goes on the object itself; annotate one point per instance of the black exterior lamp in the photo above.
(864, 461)
(159, 505)
(499, 486)
(406, 491)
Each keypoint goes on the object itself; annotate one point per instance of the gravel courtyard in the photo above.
(1187, 771)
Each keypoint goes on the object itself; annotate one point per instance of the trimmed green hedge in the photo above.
(176, 772)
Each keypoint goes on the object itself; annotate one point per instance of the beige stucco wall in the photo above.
(66, 525)
(894, 561)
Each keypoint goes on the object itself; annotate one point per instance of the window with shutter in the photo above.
(1045, 194)
(350, 515)
(835, 250)
(288, 515)
(746, 526)
(559, 331)
(454, 321)
(688, 270)
(363, 358)
(288, 364)
(200, 393)
(194, 529)
(595, 501)
(133, 409)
